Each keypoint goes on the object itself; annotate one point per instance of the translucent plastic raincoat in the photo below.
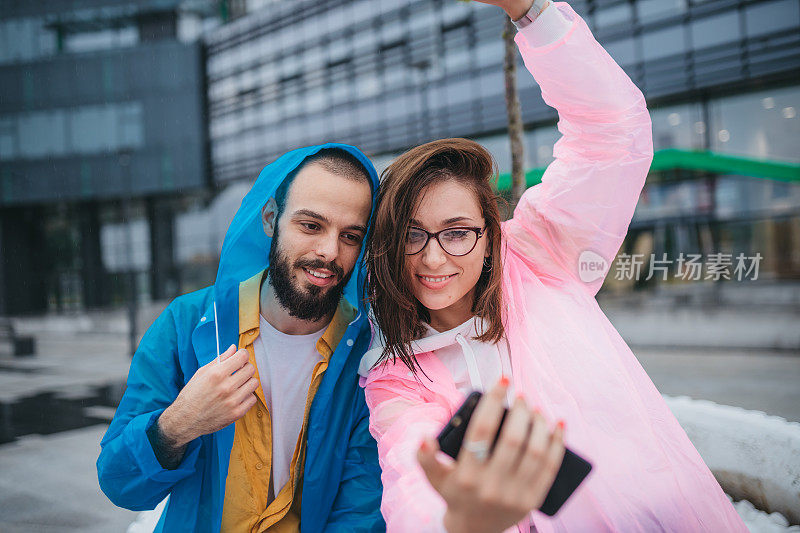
(566, 357)
(341, 479)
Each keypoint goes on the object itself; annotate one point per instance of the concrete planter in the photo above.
(754, 456)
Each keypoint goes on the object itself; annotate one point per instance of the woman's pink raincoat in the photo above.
(566, 357)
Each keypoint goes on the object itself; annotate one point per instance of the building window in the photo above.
(763, 125)
(131, 125)
(8, 138)
(770, 17)
(41, 134)
(126, 246)
(82, 130)
(675, 127)
(622, 51)
(91, 129)
(101, 40)
(606, 17)
(649, 10)
(715, 30)
(663, 43)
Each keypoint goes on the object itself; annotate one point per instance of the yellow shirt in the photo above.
(247, 486)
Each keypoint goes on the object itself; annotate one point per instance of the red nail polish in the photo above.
(561, 424)
(423, 446)
(504, 381)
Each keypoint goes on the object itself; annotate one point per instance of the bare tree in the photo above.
(514, 112)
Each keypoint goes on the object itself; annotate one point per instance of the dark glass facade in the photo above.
(116, 124)
(720, 76)
(388, 75)
(102, 131)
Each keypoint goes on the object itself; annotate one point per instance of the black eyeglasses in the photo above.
(454, 241)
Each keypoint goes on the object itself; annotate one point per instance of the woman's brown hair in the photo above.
(398, 313)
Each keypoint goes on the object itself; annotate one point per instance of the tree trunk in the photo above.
(514, 111)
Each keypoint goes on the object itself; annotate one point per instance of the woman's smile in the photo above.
(435, 282)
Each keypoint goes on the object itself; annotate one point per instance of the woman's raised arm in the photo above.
(588, 194)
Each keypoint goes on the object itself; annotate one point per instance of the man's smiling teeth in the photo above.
(318, 274)
(435, 280)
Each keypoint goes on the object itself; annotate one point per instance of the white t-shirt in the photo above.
(285, 366)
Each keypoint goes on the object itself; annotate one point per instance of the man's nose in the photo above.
(328, 247)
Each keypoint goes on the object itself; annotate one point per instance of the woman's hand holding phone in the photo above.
(491, 492)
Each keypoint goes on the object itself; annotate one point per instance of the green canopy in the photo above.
(674, 158)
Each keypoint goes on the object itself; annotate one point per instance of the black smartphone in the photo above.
(571, 473)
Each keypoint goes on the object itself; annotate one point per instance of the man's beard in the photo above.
(311, 304)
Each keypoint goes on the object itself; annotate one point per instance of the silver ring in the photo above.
(478, 448)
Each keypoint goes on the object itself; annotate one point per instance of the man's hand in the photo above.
(218, 394)
(513, 8)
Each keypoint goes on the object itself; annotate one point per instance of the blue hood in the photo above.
(245, 251)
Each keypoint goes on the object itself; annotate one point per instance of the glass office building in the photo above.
(387, 75)
(720, 77)
(117, 126)
(101, 129)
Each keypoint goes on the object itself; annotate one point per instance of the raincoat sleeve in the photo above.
(585, 202)
(357, 504)
(128, 471)
(400, 418)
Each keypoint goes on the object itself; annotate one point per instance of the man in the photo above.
(272, 436)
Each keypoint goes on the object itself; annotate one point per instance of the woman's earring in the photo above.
(487, 264)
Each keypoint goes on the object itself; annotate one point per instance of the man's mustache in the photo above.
(316, 264)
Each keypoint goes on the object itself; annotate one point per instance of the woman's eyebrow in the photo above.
(415, 222)
(456, 219)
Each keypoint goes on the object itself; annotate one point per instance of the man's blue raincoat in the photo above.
(341, 483)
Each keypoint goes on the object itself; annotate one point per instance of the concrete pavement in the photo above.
(755, 380)
(65, 363)
(49, 483)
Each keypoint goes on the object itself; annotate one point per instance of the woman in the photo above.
(463, 300)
